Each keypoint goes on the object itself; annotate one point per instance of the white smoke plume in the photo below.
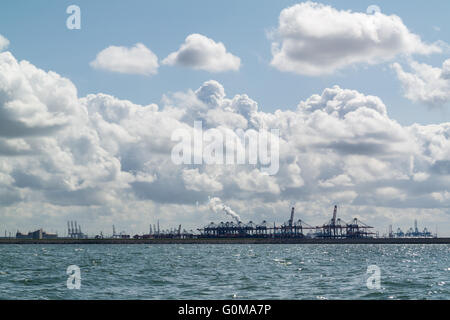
(217, 205)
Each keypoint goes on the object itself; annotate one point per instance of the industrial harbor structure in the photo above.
(37, 235)
(74, 230)
(334, 230)
(411, 233)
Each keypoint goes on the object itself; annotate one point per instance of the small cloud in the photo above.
(4, 43)
(135, 60)
(202, 53)
(425, 83)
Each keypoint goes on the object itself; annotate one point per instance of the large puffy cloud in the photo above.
(135, 60)
(425, 84)
(202, 53)
(316, 39)
(33, 102)
(103, 160)
(49, 149)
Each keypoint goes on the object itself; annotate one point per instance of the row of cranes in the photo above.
(411, 233)
(154, 233)
(174, 233)
(336, 228)
(74, 230)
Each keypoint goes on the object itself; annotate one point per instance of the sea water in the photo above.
(188, 271)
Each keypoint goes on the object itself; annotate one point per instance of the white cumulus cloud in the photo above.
(315, 39)
(135, 60)
(425, 83)
(107, 160)
(202, 53)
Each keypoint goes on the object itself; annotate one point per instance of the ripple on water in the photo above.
(225, 271)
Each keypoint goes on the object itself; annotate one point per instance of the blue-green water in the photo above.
(225, 271)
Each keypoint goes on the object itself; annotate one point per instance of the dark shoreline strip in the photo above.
(230, 241)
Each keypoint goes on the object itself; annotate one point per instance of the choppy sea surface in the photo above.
(225, 271)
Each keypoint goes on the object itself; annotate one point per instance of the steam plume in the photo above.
(217, 205)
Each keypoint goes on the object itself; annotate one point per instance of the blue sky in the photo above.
(37, 33)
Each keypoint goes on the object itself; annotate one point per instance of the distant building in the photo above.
(38, 234)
